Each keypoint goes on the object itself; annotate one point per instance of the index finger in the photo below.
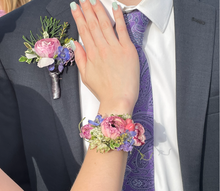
(82, 25)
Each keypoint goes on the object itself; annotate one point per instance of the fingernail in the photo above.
(115, 6)
(82, 1)
(73, 46)
(93, 2)
(73, 6)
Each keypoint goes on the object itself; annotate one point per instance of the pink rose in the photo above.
(47, 48)
(139, 138)
(113, 126)
(85, 131)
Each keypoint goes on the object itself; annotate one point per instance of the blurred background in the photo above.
(7, 6)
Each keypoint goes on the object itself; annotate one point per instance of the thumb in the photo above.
(80, 56)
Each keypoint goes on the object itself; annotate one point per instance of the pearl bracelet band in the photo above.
(117, 132)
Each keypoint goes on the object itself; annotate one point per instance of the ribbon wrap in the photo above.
(55, 85)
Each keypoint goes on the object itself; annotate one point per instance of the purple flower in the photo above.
(51, 67)
(125, 147)
(132, 133)
(60, 67)
(128, 141)
(98, 120)
(63, 54)
(130, 137)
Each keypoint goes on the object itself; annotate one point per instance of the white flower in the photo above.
(43, 62)
(45, 34)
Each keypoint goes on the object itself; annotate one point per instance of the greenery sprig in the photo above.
(50, 27)
(32, 40)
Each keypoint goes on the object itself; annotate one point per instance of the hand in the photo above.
(110, 66)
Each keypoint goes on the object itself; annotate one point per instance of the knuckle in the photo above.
(93, 25)
(105, 25)
(77, 16)
(117, 17)
(78, 59)
(103, 52)
(121, 28)
(82, 29)
(91, 57)
(91, 54)
(91, 50)
(86, 7)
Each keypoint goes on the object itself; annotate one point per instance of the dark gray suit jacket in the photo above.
(40, 146)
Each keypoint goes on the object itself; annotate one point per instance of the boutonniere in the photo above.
(50, 49)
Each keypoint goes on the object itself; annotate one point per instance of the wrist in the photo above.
(116, 107)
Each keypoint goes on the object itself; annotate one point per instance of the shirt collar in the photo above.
(158, 11)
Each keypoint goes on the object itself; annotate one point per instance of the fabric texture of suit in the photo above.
(39, 140)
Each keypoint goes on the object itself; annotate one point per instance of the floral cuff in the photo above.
(117, 132)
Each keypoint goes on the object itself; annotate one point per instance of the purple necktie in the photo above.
(139, 174)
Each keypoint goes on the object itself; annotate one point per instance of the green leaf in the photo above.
(27, 45)
(112, 145)
(30, 51)
(116, 145)
(80, 124)
(41, 23)
(29, 60)
(32, 43)
(39, 37)
(22, 59)
(67, 40)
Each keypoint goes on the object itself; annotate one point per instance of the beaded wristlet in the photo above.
(117, 132)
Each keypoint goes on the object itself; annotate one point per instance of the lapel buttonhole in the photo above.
(198, 21)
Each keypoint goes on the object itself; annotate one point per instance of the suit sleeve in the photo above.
(12, 155)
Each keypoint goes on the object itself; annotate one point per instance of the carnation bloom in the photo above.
(85, 131)
(113, 126)
(139, 138)
(47, 48)
(130, 125)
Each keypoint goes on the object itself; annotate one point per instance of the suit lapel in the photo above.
(67, 108)
(57, 7)
(194, 30)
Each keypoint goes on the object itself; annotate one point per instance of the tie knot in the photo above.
(136, 23)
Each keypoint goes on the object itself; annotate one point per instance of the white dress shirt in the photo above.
(159, 47)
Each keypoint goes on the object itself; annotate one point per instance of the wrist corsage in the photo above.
(117, 132)
(51, 49)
